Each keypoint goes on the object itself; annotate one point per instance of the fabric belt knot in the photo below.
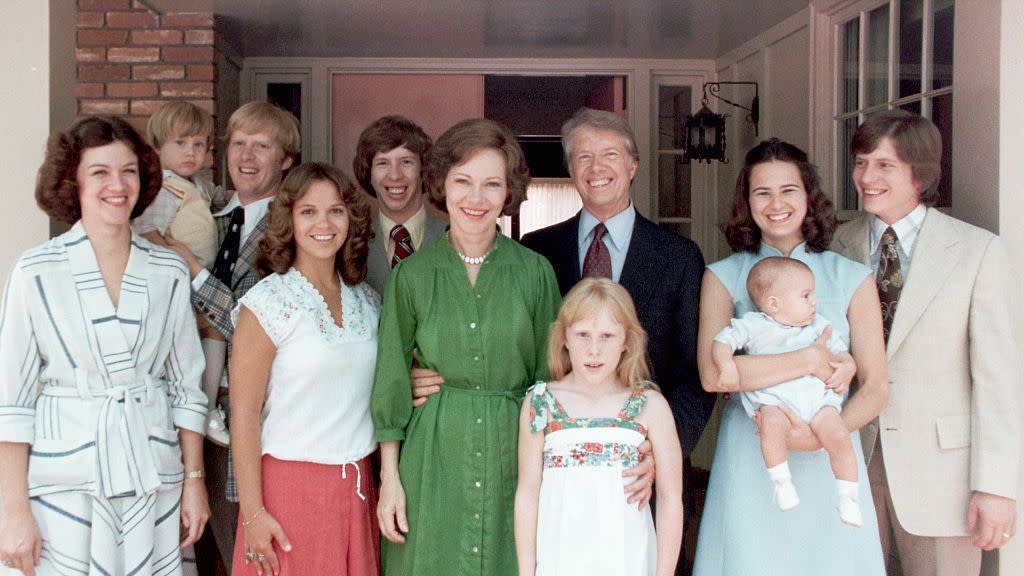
(515, 394)
(359, 478)
(121, 432)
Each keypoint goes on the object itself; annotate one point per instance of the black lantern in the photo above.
(704, 132)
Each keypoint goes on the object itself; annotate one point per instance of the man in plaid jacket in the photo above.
(262, 143)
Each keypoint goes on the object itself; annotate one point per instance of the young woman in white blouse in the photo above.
(303, 358)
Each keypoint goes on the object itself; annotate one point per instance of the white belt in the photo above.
(125, 463)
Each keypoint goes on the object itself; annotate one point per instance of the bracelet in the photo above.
(195, 474)
(245, 523)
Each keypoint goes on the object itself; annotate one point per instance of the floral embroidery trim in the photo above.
(277, 300)
(592, 454)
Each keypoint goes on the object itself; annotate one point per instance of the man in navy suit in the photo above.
(660, 270)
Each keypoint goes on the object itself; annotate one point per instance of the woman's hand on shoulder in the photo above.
(391, 509)
(20, 542)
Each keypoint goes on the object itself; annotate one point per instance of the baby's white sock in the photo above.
(849, 506)
(784, 493)
(780, 473)
(847, 488)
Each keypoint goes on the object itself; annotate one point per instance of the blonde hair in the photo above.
(176, 119)
(586, 300)
(260, 116)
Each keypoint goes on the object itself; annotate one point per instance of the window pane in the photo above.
(851, 72)
(673, 108)
(878, 56)
(681, 228)
(847, 191)
(913, 107)
(942, 116)
(911, 12)
(942, 43)
(287, 95)
(673, 186)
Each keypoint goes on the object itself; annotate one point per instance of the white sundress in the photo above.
(584, 524)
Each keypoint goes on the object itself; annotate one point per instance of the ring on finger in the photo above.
(261, 558)
(249, 555)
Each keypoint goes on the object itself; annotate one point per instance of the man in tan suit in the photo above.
(943, 455)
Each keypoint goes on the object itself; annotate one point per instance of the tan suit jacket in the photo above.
(950, 426)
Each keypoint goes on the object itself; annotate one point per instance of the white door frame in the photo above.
(640, 79)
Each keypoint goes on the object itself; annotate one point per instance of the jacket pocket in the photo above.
(954, 431)
(59, 465)
(166, 454)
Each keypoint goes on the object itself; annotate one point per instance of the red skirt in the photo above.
(333, 531)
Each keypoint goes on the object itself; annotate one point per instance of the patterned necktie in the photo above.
(403, 244)
(224, 267)
(889, 278)
(598, 261)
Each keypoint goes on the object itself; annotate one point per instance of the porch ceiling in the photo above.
(486, 28)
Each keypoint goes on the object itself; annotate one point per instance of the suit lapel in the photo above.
(636, 274)
(248, 253)
(936, 255)
(567, 267)
(852, 240)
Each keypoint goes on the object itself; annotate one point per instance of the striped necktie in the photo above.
(403, 244)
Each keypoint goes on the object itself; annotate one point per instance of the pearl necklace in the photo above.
(474, 260)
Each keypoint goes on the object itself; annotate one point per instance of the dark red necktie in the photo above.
(403, 244)
(598, 261)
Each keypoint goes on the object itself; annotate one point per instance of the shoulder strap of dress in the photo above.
(636, 402)
(540, 406)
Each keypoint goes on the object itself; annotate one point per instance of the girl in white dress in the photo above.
(578, 434)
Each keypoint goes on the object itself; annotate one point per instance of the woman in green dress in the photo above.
(475, 307)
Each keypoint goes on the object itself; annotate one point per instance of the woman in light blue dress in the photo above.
(779, 210)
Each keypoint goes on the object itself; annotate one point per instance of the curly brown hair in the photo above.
(742, 233)
(384, 135)
(57, 179)
(459, 142)
(277, 249)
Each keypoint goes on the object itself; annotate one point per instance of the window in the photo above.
(892, 54)
(673, 200)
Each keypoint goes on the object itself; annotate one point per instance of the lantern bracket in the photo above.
(713, 88)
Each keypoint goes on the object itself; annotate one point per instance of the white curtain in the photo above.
(549, 201)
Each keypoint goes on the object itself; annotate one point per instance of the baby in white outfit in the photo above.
(783, 290)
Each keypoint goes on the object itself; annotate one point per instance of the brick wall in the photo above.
(132, 60)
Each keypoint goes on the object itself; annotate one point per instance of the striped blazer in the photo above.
(97, 390)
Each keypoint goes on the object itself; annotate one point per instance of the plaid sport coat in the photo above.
(215, 301)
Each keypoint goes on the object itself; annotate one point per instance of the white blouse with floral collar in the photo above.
(317, 407)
